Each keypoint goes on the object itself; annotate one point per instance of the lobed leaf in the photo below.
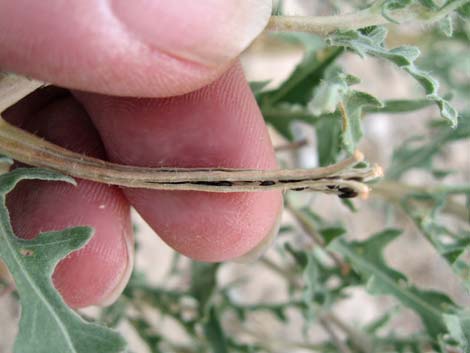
(47, 325)
(367, 259)
(298, 88)
(371, 42)
(451, 246)
(419, 152)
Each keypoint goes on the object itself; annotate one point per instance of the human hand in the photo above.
(165, 51)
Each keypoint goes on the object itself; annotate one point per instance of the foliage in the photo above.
(47, 324)
(318, 261)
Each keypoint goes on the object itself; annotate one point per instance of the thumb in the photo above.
(134, 48)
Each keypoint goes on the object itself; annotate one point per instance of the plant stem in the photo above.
(33, 150)
(371, 16)
(342, 347)
(283, 272)
(395, 192)
(340, 178)
(358, 339)
(309, 228)
(292, 146)
(13, 88)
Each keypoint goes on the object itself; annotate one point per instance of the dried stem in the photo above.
(371, 16)
(291, 146)
(340, 179)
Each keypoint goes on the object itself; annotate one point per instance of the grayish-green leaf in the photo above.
(5, 160)
(298, 88)
(390, 5)
(330, 92)
(464, 11)
(47, 325)
(283, 115)
(367, 259)
(446, 25)
(258, 86)
(459, 328)
(419, 151)
(145, 331)
(336, 97)
(203, 284)
(214, 332)
(351, 112)
(372, 43)
(452, 246)
(397, 106)
(331, 233)
(329, 140)
(288, 102)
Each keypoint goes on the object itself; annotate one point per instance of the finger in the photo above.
(34, 102)
(97, 273)
(132, 48)
(220, 126)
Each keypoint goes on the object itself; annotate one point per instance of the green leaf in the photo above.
(288, 102)
(47, 325)
(352, 108)
(329, 140)
(367, 259)
(331, 233)
(459, 328)
(5, 160)
(258, 86)
(372, 43)
(298, 88)
(418, 152)
(331, 91)
(203, 284)
(398, 106)
(450, 245)
(335, 91)
(464, 11)
(390, 5)
(381, 321)
(214, 332)
(315, 291)
(145, 331)
(283, 115)
(114, 314)
(446, 26)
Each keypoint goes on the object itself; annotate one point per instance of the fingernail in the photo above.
(116, 292)
(260, 249)
(209, 32)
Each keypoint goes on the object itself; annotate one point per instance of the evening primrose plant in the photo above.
(318, 260)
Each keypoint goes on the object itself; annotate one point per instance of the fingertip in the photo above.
(217, 126)
(129, 48)
(96, 273)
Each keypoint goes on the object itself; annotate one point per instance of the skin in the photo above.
(199, 112)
